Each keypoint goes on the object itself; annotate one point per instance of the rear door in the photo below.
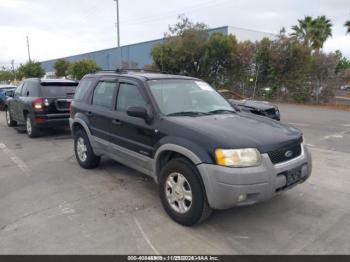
(100, 112)
(30, 91)
(14, 102)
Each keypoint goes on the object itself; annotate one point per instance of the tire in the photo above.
(182, 193)
(83, 151)
(9, 121)
(31, 129)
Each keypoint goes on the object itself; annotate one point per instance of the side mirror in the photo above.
(139, 112)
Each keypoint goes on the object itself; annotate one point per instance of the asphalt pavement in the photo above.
(49, 205)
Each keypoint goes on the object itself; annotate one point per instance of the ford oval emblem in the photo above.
(289, 154)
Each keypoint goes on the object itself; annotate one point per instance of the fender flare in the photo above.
(177, 149)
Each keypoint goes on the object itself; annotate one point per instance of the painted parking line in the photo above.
(339, 135)
(144, 235)
(15, 159)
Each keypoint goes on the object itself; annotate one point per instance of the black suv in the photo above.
(203, 154)
(40, 103)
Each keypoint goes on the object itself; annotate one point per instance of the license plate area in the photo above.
(293, 176)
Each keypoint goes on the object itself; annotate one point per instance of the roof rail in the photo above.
(128, 70)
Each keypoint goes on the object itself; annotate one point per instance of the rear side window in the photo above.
(64, 90)
(30, 89)
(18, 90)
(129, 96)
(103, 94)
(82, 88)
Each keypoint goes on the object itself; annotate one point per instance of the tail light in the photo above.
(38, 104)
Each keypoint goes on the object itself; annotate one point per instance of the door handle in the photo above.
(116, 122)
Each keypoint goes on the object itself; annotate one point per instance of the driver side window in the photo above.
(129, 96)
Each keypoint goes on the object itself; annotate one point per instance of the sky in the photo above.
(58, 28)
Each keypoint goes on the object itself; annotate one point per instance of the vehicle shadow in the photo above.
(56, 133)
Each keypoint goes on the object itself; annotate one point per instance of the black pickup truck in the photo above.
(40, 103)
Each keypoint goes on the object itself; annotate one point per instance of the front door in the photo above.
(133, 138)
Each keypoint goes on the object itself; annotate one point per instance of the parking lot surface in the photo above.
(49, 205)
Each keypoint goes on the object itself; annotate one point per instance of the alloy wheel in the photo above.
(178, 193)
(81, 149)
(29, 126)
(8, 117)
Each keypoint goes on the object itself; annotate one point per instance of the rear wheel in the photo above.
(9, 120)
(83, 151)
(31, 129)
(182, 193)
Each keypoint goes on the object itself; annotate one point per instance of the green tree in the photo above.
(82, 67)
(219, 58)
(343, 63)
(61, 67)
(6, 75)
(323, 75)
(183, 48)
(30, 69)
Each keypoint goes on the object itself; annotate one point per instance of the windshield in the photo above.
(187, 97)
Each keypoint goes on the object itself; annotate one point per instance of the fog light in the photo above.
(242, 198)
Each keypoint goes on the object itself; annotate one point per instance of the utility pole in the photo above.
(117, 25)
(28, 49)
(13, 69)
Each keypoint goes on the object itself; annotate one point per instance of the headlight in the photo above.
(238, 157)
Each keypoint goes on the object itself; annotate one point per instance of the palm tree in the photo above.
(347, 25)
(302, 31)
(321, 31)
(313, 32)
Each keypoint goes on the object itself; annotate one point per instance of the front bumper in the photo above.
(225, 186)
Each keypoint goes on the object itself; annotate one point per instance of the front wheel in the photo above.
(83, 151)
(9, 121)
(182, 193)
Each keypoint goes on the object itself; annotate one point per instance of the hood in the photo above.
(240, 130)
(262, 105)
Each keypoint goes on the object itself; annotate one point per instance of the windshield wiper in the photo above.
(188, 113)
(222, 111)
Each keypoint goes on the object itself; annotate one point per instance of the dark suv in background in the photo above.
(203, 154)
(40, 103)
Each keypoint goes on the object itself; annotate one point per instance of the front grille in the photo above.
(271, 111)
(280, 155)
